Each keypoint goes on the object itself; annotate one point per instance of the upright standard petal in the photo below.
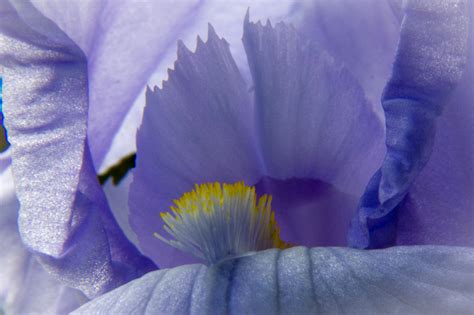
(313, 118)
(399, 280)
(198, 128)
(430, 61)
(64, 217)
(362, 34)
(320, 137)
(225, 16)
(25, 287)
(116, 38)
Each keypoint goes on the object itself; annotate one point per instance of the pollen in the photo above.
(217, 221)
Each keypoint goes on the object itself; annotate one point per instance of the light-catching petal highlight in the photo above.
(64, 217)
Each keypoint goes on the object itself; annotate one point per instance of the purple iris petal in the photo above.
(201, 127)
(440, 204)
(362, 34)
(198, 128)
(430, 61)
(313, 120)
(321, 280)
(116, 37)
(63, 217)
(319, 136)
(25, 287)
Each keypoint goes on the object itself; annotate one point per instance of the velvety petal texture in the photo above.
(198, 128)
(439, 208)
(313, 120)
(103, 30)
(430, 61)
(399, 280)
(63, 216)
(25, 287)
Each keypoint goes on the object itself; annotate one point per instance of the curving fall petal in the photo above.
(64, 217)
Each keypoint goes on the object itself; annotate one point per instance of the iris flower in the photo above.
(306, 131)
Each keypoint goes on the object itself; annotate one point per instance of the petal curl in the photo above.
(198, 128)
(64, 217)
(25, 287)
(313, 118)
(431, 58)
(440, 205)
(399, 280)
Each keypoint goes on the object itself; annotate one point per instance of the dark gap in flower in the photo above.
(4, 144)
(310, 212)
(119, 170)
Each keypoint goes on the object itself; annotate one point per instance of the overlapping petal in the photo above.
(63, 215)
(25, 287)
(440, 204)
(116, 79)
(361, 34)
(313, 120)
(399, 280)
(431, 58)
(68, 222)
(198, 128)
(320, 137)
(105, 30)
(226, 17)
(201, 127)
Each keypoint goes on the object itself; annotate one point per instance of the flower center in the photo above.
(216, 221)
